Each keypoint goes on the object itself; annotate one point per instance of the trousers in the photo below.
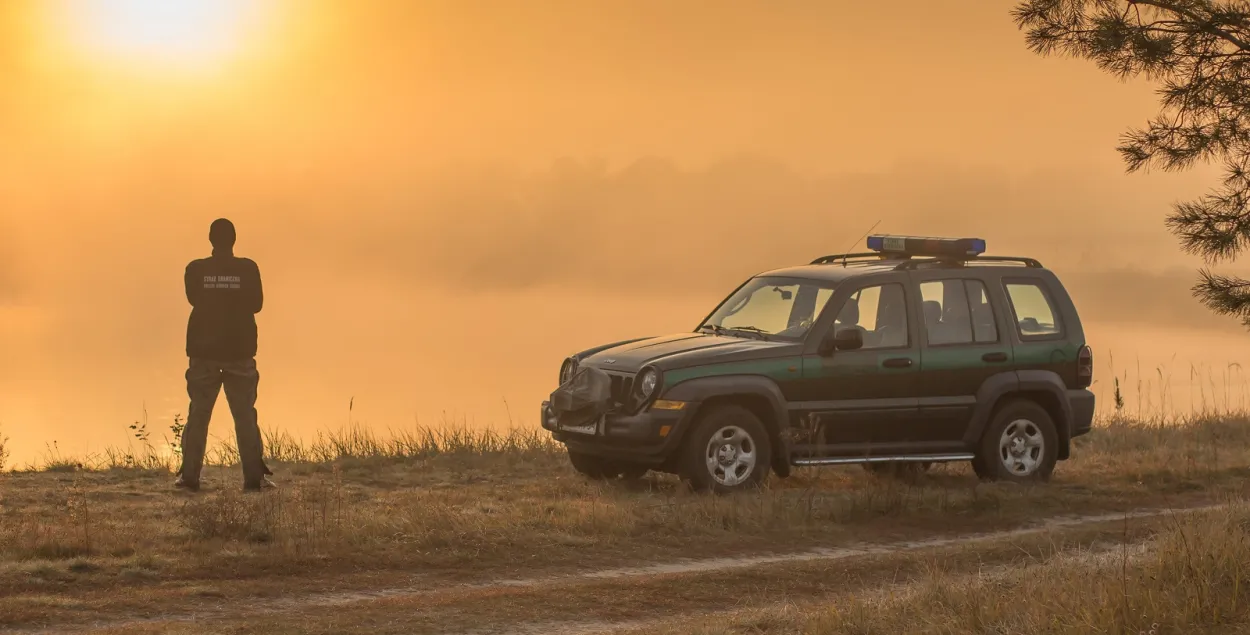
(205, 379)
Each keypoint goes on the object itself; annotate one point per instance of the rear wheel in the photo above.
(1020, 445)
(728, 451)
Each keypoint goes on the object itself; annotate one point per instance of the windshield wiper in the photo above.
(751, 329)
(718, 329)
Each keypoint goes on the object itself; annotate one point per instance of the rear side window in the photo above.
(984, 329)
(957, 311)
(945, 309)
(1035, 313)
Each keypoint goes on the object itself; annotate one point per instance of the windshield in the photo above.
(771, 308)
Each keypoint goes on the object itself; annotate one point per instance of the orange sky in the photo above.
(447, 197)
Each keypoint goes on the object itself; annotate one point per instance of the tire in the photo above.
(1020, 445)
(728, 451)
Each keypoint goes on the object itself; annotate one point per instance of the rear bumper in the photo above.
(1082, 403)
(649, 437)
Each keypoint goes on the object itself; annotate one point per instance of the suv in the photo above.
(919, 351)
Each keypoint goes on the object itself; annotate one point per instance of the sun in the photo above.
(161, 31)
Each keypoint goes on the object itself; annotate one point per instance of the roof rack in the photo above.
(912, 264)
(869, 255)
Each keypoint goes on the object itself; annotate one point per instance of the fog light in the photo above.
(664, 430)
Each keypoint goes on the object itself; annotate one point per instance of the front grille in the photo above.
(622, 386)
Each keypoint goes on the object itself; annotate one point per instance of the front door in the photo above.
(963, 343)
(863, 398)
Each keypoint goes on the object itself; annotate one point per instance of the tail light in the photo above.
(1084, 367)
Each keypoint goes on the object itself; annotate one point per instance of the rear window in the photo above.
(1034, 311)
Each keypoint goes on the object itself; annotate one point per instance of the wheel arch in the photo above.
(1043, 387)
(756, 393)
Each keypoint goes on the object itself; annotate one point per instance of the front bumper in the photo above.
(649, 437)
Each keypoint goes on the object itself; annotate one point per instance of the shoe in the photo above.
(265, 484)
(190, 486)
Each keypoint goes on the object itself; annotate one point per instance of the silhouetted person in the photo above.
(225, 296)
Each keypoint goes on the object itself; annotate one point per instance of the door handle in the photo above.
(994, 357)
(897, 362)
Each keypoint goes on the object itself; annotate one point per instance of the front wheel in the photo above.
(1020, 445)
(728, 451)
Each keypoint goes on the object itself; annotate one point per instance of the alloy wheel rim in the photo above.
(1021, 447)
(731, 456)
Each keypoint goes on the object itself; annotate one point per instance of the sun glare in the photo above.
(162, 31)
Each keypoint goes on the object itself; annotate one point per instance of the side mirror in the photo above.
(842, 340)
(849, 339)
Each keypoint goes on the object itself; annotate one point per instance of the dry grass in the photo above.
(1192, 576)
(358, 510)
(353, 442)
(581, 604)
(766, 597)
(4, 450)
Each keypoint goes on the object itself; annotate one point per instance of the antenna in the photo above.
(848, 249)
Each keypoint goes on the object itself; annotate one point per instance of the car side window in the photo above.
(984, 327)
(879, 312)
(1035, 314)
(947, 319)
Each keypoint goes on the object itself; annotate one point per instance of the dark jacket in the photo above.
(225, 296)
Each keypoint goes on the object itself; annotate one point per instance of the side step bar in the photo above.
(908, 458)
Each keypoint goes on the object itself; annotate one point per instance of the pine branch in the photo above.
(1199, 53)
(1217, 225)
(1207, 23)
(1224, 295)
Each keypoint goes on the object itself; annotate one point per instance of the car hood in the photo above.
(678, 350)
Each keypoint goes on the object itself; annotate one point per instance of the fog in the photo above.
(447, 198)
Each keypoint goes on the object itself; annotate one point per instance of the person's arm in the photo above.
(258, 295)
(193, 286)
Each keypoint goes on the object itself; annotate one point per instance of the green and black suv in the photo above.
(918, 351)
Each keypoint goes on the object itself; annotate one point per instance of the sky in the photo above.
(446, 198)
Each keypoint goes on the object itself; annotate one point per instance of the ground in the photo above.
(1144, 528)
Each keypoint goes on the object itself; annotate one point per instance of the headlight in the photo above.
(566, 370)
(647, 382)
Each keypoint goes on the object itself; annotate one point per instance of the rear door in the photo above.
(1041, 334)
(962, 343)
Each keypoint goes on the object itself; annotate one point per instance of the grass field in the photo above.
(458, 531)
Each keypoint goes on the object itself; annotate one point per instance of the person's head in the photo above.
(221, 234)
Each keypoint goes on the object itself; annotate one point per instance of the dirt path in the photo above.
(208, 613)
(900, 592)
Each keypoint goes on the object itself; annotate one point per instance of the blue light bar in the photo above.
(926, 246)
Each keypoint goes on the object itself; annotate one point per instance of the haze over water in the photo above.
(446, 198)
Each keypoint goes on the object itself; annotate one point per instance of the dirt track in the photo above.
(421, 606)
